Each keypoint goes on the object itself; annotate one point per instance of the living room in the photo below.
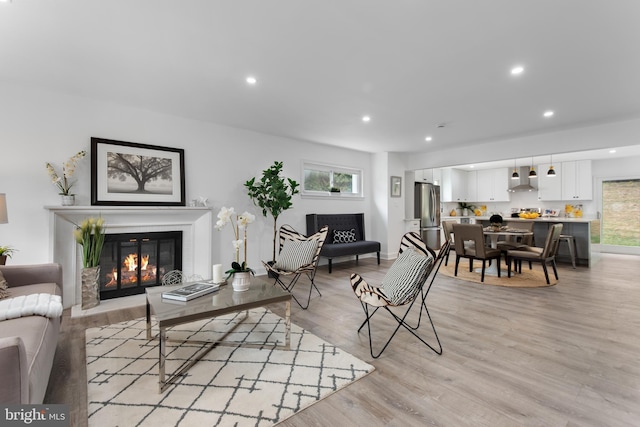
(48, 121)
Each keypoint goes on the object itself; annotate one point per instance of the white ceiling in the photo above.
(322, 65)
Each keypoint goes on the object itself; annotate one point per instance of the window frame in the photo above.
(331, 168)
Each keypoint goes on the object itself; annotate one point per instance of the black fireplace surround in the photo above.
(131, 262)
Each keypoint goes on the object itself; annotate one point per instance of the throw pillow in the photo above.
(4, 287)
(407, 273)
(344, 236)
(295, 254)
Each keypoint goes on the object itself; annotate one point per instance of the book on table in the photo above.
(191, 291)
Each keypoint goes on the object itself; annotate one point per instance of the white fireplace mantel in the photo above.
(196, 224)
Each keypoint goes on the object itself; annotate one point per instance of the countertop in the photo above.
(539, 219)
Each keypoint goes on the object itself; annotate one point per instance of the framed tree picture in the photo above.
(130, 174)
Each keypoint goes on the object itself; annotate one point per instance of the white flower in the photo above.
(245, 219)
(225, 214)
(220, 224)
(237, 244)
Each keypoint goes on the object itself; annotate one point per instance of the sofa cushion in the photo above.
(38, 288)
(40, 338)
(344, 236)
(355, 248)
(295, 254)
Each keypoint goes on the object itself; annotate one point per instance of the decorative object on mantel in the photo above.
(90, 234)
(130, 174)
(240, 272)
(273, 195)
(63, 182)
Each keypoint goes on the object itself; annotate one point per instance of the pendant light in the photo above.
(515, 174)
(551, 173)
(532, 171)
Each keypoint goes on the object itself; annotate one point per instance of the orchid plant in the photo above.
(239, 224)
(63, 182)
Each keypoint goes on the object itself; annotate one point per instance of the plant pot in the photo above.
(68, 199)
(3, 259)
(90, 287)
(241, 281)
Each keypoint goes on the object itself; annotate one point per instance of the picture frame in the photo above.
(396, 186)
(120, 174)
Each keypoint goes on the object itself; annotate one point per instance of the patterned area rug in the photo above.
(533, 278)
(229, 386)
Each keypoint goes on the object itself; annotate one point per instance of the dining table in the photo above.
(494, 234)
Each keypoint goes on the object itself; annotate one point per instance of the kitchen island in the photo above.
(579, 228)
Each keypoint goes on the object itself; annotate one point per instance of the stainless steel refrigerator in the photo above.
(427, 209)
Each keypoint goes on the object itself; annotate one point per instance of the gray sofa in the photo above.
(28, 344)
(342, 222)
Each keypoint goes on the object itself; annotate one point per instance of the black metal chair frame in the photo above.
(288, 232)
(410, 239)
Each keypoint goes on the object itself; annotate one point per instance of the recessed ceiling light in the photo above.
(251, 80)
(612, 151)
(428, 139)
(517, 70)
(471, 166)
(548, 113)
(366, 119)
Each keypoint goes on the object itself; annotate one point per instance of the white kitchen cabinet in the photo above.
(576, 180)
(454, 185)
(492, 185)
(433, 176)
(549, 188)
(472, 186)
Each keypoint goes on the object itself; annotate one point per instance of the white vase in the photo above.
(241, 281)
(68, 199)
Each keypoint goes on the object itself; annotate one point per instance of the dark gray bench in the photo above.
(342, 222)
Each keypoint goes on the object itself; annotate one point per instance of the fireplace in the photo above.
(132, 262)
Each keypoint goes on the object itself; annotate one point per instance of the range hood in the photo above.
(523, 183)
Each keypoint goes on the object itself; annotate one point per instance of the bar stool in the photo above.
(573, 249)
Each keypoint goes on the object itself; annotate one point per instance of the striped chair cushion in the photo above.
(295, 254)
(404, 278)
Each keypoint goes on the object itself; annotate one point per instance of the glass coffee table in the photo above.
(221, 302)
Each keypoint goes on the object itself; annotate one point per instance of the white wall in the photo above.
(39, 127)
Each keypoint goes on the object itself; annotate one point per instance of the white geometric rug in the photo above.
(229, 386)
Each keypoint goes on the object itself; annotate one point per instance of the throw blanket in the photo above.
(27, 305)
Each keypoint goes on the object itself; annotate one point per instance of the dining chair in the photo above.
(447, 227)
(515, 242)
(298, 255)
(544, 255)
(406, 283)
(470, 243)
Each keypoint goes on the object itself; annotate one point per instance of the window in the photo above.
(620, 224)
(324, 180)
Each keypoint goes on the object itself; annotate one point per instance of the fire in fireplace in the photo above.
(131, 262)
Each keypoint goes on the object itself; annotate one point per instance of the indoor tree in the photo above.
(273, 194)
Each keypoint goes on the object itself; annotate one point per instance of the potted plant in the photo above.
(465, 207)
(5, 252)
(273, 195)
(90, 235)
(239, 271)
(63, 182)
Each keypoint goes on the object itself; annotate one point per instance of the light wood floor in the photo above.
(568, 355)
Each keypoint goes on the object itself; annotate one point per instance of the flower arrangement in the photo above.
(90, 234)
(226, 216)
(68, 169)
